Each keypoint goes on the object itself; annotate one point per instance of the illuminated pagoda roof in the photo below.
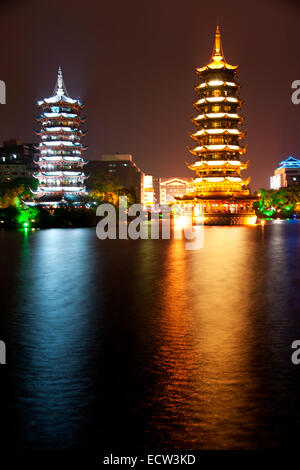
(60, 93)
(217, 61)
(290, 162)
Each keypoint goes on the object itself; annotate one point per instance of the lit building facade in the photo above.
(148, 196)
(161, 191)
(60, 173)
(173, 187)
(218, 185)
(287, 174)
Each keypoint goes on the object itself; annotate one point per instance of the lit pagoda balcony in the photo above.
(61, 184)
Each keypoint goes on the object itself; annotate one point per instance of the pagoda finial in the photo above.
(217, 50)
(60, 88)
(59, 80)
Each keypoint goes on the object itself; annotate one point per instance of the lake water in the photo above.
(143, 344)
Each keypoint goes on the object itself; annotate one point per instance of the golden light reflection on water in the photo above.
(205, 328)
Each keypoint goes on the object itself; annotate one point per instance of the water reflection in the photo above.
(204, 351)
(53, 322)
(145, 344)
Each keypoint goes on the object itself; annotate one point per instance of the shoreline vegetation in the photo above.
(15, 214)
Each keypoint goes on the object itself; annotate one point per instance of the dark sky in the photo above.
(133, 64)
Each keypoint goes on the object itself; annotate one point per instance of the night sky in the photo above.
(133, 64)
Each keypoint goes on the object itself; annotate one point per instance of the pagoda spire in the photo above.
(60, 87)
(217, 61)
(217, 53)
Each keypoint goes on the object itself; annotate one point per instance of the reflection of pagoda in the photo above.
(60, 173)
(218, 185)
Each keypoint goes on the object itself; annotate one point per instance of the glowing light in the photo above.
(251, 220)
(215, 83)
(181, 222)
(215, 115)
(57, 98)
(199, 117)
(53, 115)
(217, 163)
(58, 129)
(215, 99)
(72, 159)
(234, 178)
(275, 182)
(214, 131)
(50, 173)
(290, 162)
(215, 147)
(60, 142)
(214, 179)
(199, 133)
(217, 132)
(51, 158)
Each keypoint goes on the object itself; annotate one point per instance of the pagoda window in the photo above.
(216, 140)
(216, 109)
(216, 124)
(216, 93)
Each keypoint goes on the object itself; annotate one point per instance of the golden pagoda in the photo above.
(218, 185)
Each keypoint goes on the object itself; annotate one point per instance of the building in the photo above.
(287, 174)
(148, 192)
(151, 191)
(60, 173)
(121, 168)
(160, 191)
(16, 160)
(218, 185)
(172, 187)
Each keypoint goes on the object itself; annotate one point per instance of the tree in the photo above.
(12, 192)
(278, 203)
(105, 187)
